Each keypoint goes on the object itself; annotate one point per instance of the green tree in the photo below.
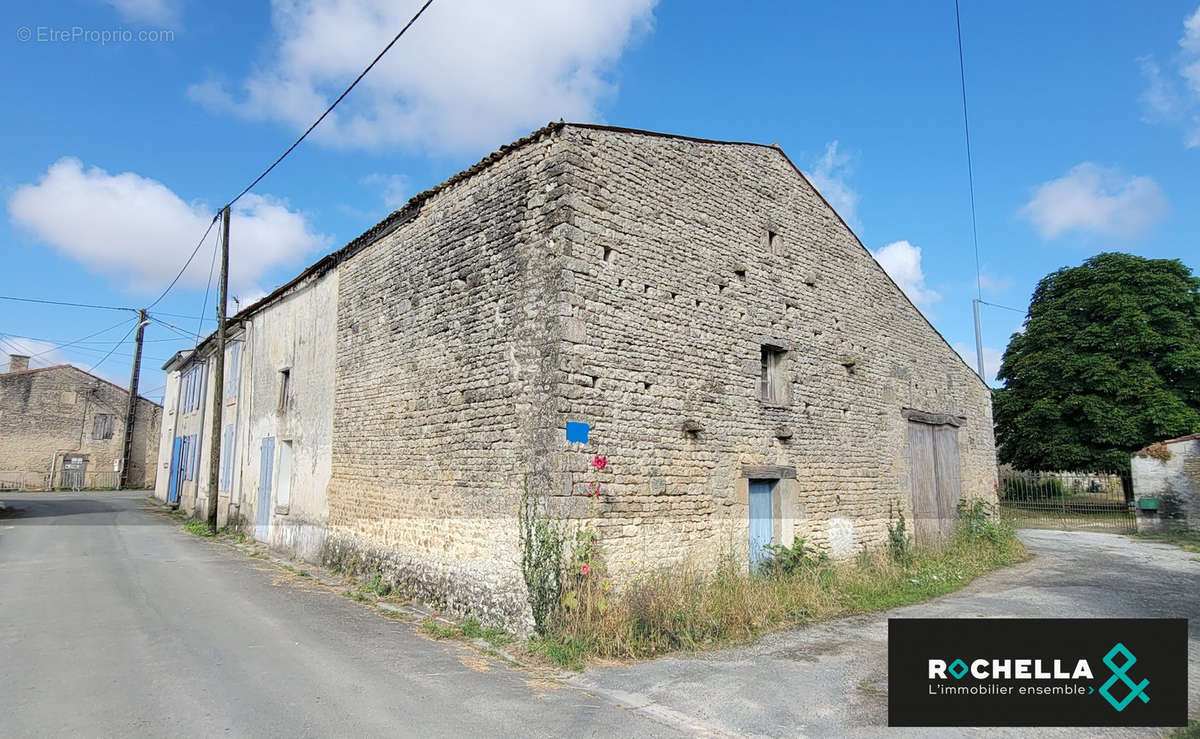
(1109, 362)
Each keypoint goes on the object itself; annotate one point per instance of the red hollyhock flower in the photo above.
(585, 569)
(599, 462)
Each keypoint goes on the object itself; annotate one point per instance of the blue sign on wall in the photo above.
(577, 431)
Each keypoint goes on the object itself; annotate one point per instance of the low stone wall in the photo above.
(1169, 474)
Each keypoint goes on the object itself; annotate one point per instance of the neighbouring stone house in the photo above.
(1166, 484)
(749, 370)
(63, 427)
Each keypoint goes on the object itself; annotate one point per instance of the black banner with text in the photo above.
(1037, 672)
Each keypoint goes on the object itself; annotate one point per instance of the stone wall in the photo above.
(47, 412)
(628, 281)
(443, 339)
(683, 259)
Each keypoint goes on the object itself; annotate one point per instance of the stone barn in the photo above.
(61, 427)
(750, 372)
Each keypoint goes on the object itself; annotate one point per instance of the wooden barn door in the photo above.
(935, 480)
(949, 478)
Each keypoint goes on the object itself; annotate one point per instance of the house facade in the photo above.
(748, 369)
(276, 420)
(61, 427)
(1166, 484)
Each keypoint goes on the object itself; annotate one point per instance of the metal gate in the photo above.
(73, 472)
(1077, 501)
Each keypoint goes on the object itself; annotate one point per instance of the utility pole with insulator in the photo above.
(131, 406)
(218, 380)
(978, 340)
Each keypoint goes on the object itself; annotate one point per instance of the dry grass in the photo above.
(689, 608)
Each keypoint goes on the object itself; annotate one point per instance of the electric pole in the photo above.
(218, 379)
(978, 340)
(131, 407)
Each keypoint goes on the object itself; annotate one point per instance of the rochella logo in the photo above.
(1136, 690)
(1037, 669)
(1008, 669)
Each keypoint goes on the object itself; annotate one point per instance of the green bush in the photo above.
(1022, 489)
(900, 544)
(541, 560)
(785, 560)
(978, 521)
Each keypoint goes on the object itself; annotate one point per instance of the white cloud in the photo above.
(40, 353)
(1174, 98)
(148, 11)
(394, 188)
(829, 174)
(902, 261)
(991, 360)
(469, 74)
(139, 232)
(992, 282)
(44, 354)
(1097, 200)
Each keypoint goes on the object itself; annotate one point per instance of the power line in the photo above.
(183, 269)
(207, 288)
(962, 77)
(59, 342)
(172, 326)
(77, 341)
(187, 316)
(329, 110)
(72, 305)
(286, 152)
(115, 347)
(997, 305)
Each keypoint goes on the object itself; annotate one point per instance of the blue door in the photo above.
(176, 460)
(760, 520)
(262, 511)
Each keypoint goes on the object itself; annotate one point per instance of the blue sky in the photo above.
(1085, 121)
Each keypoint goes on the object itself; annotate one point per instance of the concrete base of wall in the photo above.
(464, 589)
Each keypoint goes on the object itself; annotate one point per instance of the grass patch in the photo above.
(1186, 539)
(379, 586)
(470, 629)
(232, 534)
(199, 528)
(1191, 731)
(689, 608)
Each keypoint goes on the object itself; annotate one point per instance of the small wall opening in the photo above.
(772, 386)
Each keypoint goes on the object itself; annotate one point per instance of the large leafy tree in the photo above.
(1108, 362)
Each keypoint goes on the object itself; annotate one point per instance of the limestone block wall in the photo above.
(47, 412)
(682, 259)
(444, 335)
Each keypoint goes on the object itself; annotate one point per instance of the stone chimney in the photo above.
(18, 362)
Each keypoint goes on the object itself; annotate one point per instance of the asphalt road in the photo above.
(831, 679)
(114, 622)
